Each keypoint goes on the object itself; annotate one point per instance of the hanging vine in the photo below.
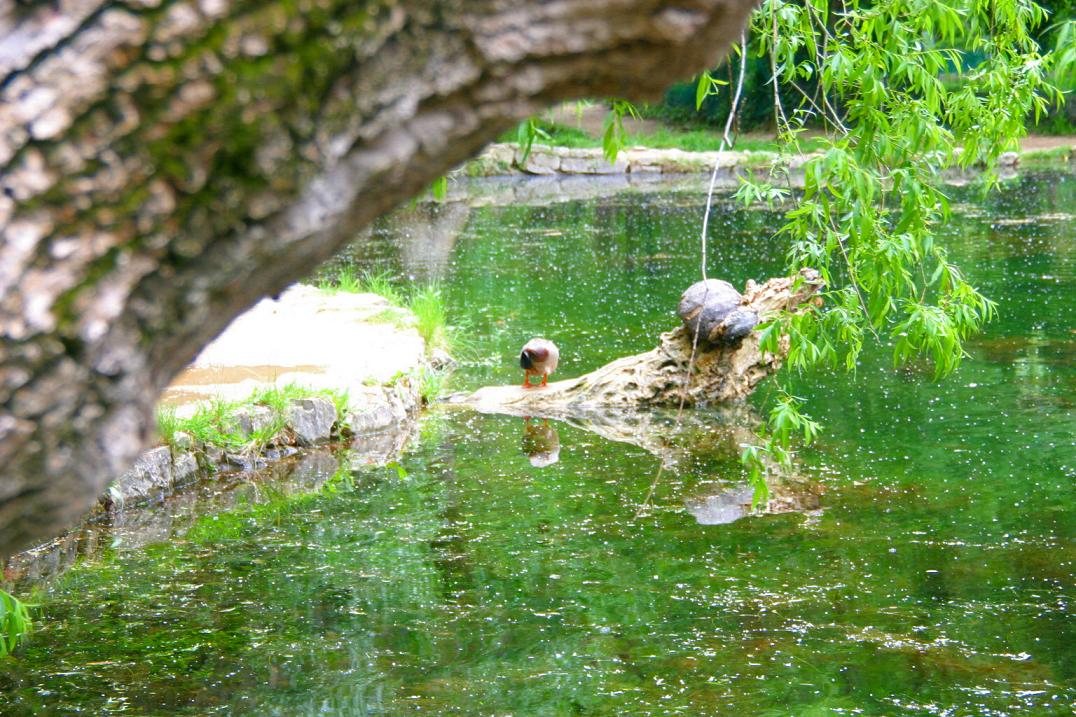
(872, 198)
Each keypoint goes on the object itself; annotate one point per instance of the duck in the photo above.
(540, 357)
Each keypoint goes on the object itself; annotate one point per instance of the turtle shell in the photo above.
(714, 309)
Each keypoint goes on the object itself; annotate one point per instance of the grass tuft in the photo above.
(425, 302)
(431, 383)
(381, 283)
(167, 424)
(431, 316)
(346, 279)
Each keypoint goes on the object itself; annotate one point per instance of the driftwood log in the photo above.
(164, 164)
(661, 376)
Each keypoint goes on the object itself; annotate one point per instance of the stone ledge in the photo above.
(375, 431)
(504, 159)
(308, 422)
(305, 337)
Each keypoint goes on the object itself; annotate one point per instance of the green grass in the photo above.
(278, 397)
(431, 316)
(558, 135)
(167, 424)
(431, 383)
(689, 140)
(428, 305)
(710, 141)
(1047, 156)
(425, 302)
(213, 425)
(381, 284)
(345, 279)
(214, 422)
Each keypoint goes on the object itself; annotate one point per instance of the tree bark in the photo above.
(166, 163)
(678, 371)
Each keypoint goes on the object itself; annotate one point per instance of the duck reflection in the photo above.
(541, 442)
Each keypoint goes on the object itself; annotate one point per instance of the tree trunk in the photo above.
(677, 371)
(166, 163)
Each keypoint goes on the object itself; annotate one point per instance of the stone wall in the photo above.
(507, 158)
(311, 421)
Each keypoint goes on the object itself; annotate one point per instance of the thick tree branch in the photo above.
(164, 165)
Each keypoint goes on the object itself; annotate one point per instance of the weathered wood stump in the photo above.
(665, 375)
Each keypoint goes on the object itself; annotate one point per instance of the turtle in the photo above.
(714, 309)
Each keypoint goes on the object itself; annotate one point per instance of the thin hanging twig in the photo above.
(726, 143)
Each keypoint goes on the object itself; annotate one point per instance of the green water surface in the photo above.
(935, 577)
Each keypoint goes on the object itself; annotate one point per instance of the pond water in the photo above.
(533, 568)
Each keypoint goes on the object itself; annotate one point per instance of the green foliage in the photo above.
(706, 86)
(1064, 73)
(15, 622)
(440, 188)
(872, 198)
(529, 130)
(614, 138)
(681, 104)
